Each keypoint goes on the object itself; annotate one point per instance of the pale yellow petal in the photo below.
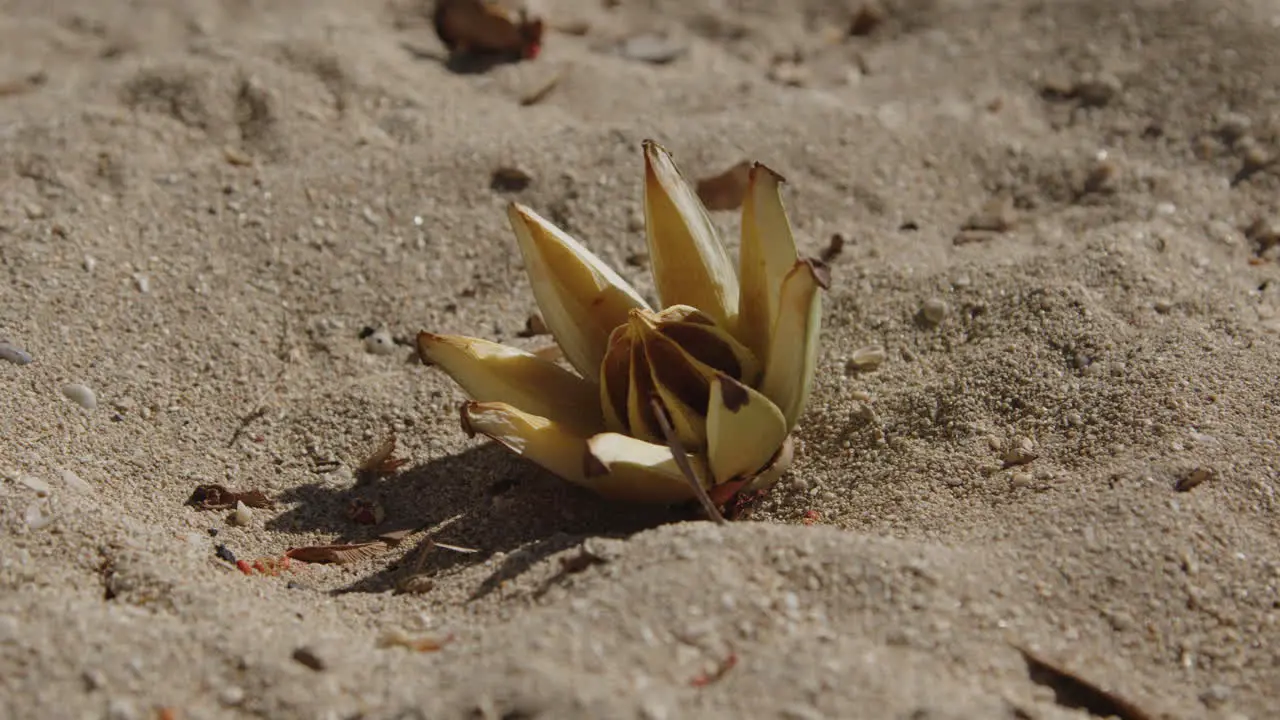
(614, 466)
(582, 299)
(690, 265)
(744, 430)
(793, 353)
(767, 254)
(491, 372)
(638, 471)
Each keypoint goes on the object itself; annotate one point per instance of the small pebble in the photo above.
(143, 283)
(1020, 480)
(225, 554)
(42, 488)
(868, 357)
(13, 353)
(35, 517)
(90, 262)
(242, 514)
(1193, 479)
(934, 310)
(80, 395)
(74, 481)
(231, 695)
(308, 657)
(379, 342)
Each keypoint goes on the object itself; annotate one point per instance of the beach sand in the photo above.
(205, 205)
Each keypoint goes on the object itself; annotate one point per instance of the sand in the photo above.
(204, 205)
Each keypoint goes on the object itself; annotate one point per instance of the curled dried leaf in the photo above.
(381, 462)
(338, 554)
(220, 497)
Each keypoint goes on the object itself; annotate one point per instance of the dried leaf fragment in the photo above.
(219, 497)
(482, 27)
(1193, 479)
(341, 554)
(1072, 691)
(509, 179)
(380, 461)
(835, 246)
(726, 190)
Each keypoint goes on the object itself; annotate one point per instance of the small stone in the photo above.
(224, 553)
(1101, 178)
(41, 488)
(242, 515)
(789, 73)
(143, 283)
(655, 48)
(1234, 126)
(13, 353)
(35, 212)
(1020, 480)
(1162, 306)
(80, 395)
(1215, 696)
(1021, 452)
(379, 342)
(36, 518)
(998, 215)
(90, 262)
(934, 311)
(306, 656)
(1075, 419)
(1096, 90)
(231, 695)
(74, 481)
(866, 358)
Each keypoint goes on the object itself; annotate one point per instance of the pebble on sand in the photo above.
(934, 310)
(379, 342)
(242, 515)
(13, 353)
(74, 481)
(81, 395)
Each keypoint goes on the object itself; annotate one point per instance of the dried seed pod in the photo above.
(481, 27)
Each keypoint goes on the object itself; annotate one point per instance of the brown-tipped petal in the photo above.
(690, 265)
(793, 352)
(492, 372)
(682, 385)
(614, 466)
(744, 430)
(767, 254)
(582, 299)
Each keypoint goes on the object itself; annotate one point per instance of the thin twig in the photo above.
(682, 462)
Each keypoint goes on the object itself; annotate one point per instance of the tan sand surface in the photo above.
(204, 203)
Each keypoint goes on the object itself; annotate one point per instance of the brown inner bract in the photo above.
(672, 356)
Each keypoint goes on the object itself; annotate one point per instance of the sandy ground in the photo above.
(203, 204)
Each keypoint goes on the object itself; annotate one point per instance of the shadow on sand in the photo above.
(483, 498)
